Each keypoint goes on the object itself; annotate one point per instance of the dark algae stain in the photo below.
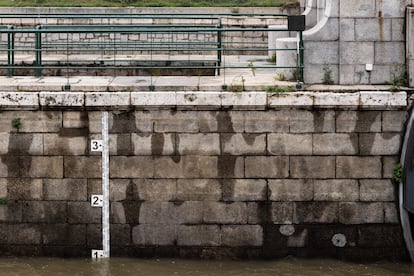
(123, 124)
(226, 163)
(132, 203)
(318, 120)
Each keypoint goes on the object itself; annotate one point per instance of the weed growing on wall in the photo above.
(398, 173)
(16, 123)
(327, 75)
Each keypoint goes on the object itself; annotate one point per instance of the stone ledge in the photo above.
(376, 100)
(19, 100)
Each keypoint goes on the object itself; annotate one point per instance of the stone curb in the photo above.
(202, 100)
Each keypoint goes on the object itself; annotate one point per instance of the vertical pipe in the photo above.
(301, 55)
(105, 186)
(38, 46)
(219, 45)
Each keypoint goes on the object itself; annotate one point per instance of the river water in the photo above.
(155, 267)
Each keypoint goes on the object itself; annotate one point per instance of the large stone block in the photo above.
(335, 144)
(64, 234)
(198, 144)
(388, 165)
(21, 144)
(336, 190)
(315, 73)
(190, 212)
(315, 212)
(82, 212)
(390, 52)
(353, 74)
(398, 29)
(267, 167)
(377, 190)
(180, 121)
(225, 213)
(379, 144)
(19, 100)
(312, 167)
(20, 234)
(55, 144)
(120, 235)
(301, 121)
(358, 121)
(383, 236)
(44, 167)
(361, 213)
(145, 234)
(59, 99)
(198, 235)
(357, 52)
(393, 121)
(289, 144)
(36, 121)
(358, 167)
(242, 235)
(391, 214)
(372, 29)
(155, 189)
(158, 212)
(244, 190)
(347, 29)
(65, 189)
(75, 119)
(315, 54)
(394, 8)
(269, 121)
(131, 167)
(282, 212)
(153, 144)
(186, 167)
(23, 189)
(83, 167)
(198, 190)
(356, 8)
(243, 144)
(44, 212)
(119, 144)
(290, 190)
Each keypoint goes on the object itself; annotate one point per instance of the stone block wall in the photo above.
(255, 181)
(356, 33)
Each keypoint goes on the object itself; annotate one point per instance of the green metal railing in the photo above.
(114, 47)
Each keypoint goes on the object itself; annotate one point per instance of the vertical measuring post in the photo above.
(105, 186)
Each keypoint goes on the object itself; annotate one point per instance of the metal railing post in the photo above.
(219, 45)
(10, 51)
(38, 46)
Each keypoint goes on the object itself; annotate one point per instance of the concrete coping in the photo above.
(202, 100)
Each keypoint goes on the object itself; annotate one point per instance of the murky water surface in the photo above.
(120, 266)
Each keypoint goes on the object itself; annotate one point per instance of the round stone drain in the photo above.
(339, 240)
(287, 230)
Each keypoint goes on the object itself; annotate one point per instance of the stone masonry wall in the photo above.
(260, 180)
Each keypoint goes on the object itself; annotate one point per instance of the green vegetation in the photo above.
(16, 123)
(398, 80)
(327, 75)
(3, 201)
(144, 3)
(398, 174)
